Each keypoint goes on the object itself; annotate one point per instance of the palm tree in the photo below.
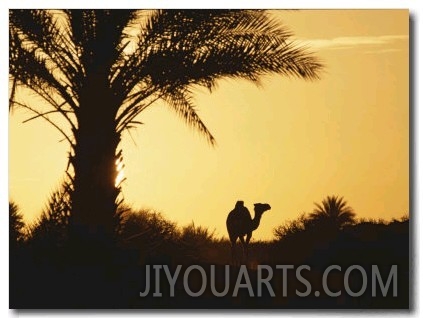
(99, 69)
(334, 212)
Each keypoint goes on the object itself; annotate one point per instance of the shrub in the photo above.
(16, 225)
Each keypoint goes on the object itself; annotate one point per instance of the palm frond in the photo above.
(98, 34)
(220, 43)
(180, 49)
(39, 114)
(39, 33)
(181, 102)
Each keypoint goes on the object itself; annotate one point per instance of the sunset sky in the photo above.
(288, 143)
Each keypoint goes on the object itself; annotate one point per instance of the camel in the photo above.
(239, 223)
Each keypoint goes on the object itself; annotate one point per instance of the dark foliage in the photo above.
(150, 234)
(16, 225)
(53, 279)
(51, 228)
(333, 212)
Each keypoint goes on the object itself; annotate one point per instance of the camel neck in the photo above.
(256, 220)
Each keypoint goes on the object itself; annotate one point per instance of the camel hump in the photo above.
(239, 218)
(240, 212)
(240, 215)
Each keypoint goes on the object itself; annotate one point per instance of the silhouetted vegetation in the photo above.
(51, 228)
(300, 239)
(333, 212)
(16, 225)
(292, 227)
(197, 243)
(44, 260)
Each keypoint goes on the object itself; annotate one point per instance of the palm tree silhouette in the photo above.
(334, 212)
(99, 69)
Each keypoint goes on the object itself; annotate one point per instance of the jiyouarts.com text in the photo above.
(268, 281)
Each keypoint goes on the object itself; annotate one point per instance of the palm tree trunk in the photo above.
(93, 215)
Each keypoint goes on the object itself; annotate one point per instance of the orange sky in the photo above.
(288, 143)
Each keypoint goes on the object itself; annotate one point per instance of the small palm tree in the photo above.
(333, 211)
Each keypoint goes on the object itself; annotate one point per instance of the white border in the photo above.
(416, 12)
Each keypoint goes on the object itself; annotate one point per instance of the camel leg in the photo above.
(244, 248)
(233, 250)
(247, 241)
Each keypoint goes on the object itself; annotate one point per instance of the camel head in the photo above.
(260, 208)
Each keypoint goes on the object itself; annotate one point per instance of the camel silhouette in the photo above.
(239, 223)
